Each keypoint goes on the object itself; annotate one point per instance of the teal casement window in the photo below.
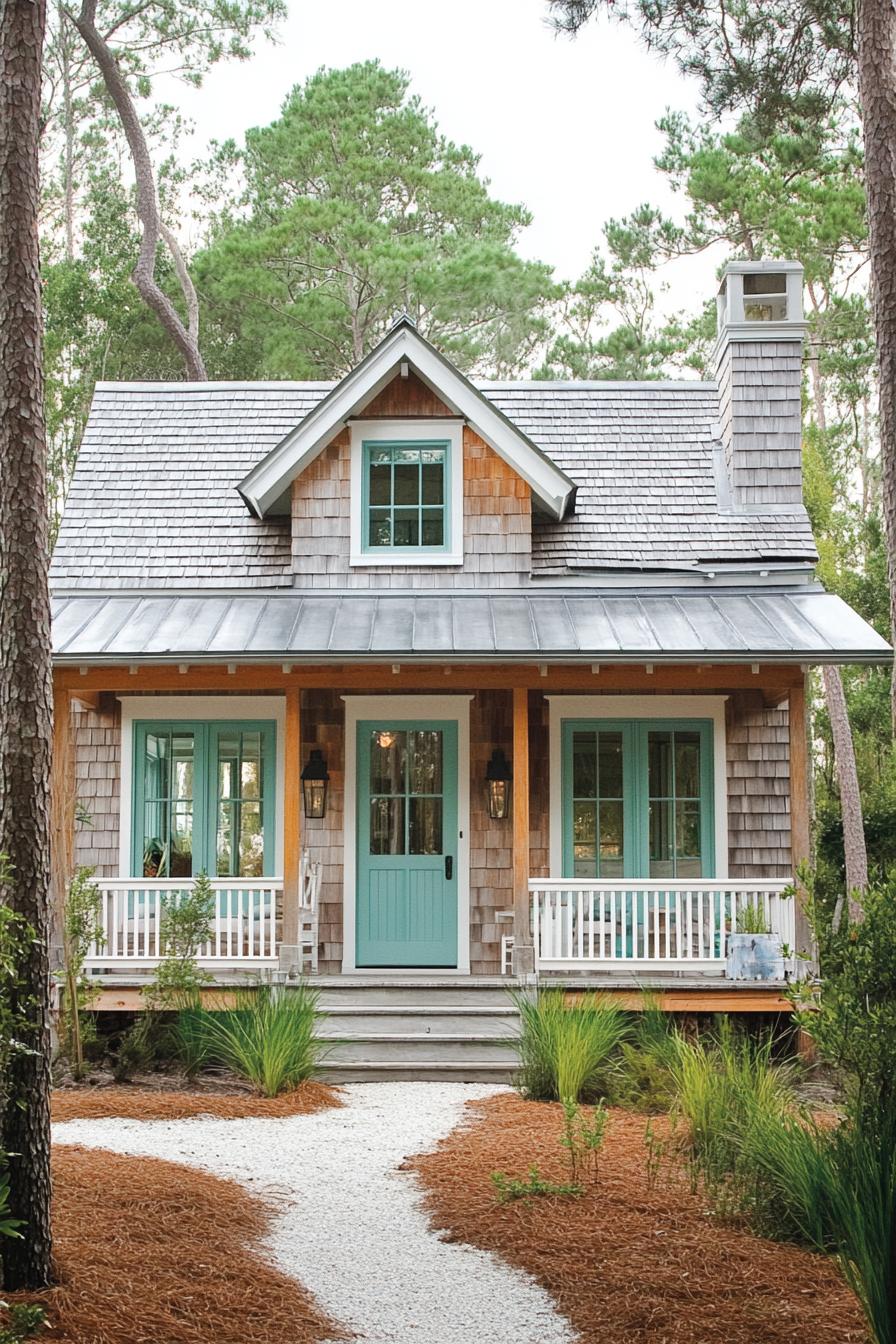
(203, 799)
(637, 799)
(405, 496)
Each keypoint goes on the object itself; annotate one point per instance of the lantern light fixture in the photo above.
(498, 776)
(315, 778)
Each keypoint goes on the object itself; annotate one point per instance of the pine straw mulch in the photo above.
(124, 1102)
(625, 1264)
(151, 1252)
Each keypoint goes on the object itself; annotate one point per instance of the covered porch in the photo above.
(522, 908)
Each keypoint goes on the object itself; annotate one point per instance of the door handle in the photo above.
(449, 867)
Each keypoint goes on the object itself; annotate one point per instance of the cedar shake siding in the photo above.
(758, 804)
(96, 750)
(497, 527)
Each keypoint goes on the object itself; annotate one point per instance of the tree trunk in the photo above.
(144, 273)
(25, 695)
(876, 42)
(854, 850)
(68, 117)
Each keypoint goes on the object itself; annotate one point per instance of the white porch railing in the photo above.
(244, 929)
(648, 925)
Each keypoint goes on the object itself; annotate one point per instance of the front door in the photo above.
(407, 843)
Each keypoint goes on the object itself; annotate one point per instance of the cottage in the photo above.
(442, 679)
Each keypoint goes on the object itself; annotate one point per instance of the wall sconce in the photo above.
(315, 778)
(497, 786)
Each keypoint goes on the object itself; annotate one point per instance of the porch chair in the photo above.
(506, 943)
(309, 911)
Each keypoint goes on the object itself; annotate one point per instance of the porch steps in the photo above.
(418, 1031)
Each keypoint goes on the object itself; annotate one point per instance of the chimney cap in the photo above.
(751, 306)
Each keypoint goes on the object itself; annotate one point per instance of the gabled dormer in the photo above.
(406, 468)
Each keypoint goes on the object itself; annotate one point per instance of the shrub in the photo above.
(565, 1046)
(22, 1322)
(80, 929)
(268, 1038)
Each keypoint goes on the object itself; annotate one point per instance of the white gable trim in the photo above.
(270, 479)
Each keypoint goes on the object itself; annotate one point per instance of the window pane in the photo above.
(687, 765)
(239, 843)
(433, 527)
(406, 527)
(251, 855)
(659, 764)
(387, 825)
(584, 824)
(687, 831)
(425, 762)
(433, 482)
(379, 528)
(167, 849)
(407, 484)
(611, 836)
(425, 826)
(388, 757)
(584, 765)
(661, 848)
(381, 457)
(405, 456)
(584, 863)
(610, 764)
(381, 485)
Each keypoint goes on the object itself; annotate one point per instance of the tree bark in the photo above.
(854, 850)
(876, 46)
(25, 681)
(143, 275)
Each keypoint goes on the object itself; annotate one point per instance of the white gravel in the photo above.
(349, 1224)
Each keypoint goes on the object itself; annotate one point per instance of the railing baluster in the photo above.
(580, 929)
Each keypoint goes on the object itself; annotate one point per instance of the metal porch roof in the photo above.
(762, 625)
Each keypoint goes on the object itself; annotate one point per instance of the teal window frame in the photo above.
(206, 735)
(369, 446)
(636, 789)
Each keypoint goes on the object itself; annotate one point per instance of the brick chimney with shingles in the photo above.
(758, 362)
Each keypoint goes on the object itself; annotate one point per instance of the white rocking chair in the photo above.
(309, 911)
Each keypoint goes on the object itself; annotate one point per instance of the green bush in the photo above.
(268, 1038)
(721, 1086)
(565, 1047)
(23, 1321)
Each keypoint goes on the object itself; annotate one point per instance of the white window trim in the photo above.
(136, 708)
(398, 709)
(390, 430)
(638, 707)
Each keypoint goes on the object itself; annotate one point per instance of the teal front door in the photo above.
(407, 843)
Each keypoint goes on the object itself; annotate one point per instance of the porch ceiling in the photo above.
(808, 625)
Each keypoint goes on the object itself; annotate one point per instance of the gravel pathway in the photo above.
(349, 1224)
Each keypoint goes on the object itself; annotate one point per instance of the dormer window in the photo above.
(406, 497)
(765, 297)
(407, 492)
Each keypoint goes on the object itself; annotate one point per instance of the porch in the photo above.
(572, 879)
(637, 931)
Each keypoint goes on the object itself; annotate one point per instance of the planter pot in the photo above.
(754, 956)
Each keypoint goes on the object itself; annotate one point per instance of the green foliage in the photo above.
(565, 1047)
(607, 324)
(269, 1038)
(583, 1137)
(852, 1016)
(23, 1321)
(510, 1188)
(720, 1085)
(80, 930)
(9, 1226)
(751, 919)
(641, 1077)
(355, 208)
(184, 927)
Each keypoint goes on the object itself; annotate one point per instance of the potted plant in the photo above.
(754, 952)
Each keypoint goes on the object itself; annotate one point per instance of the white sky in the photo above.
(565, 126)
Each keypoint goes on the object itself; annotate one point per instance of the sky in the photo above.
(565, 126)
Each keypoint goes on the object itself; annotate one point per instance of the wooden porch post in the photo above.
(292, 816)
(523, 951)
(800, 830)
